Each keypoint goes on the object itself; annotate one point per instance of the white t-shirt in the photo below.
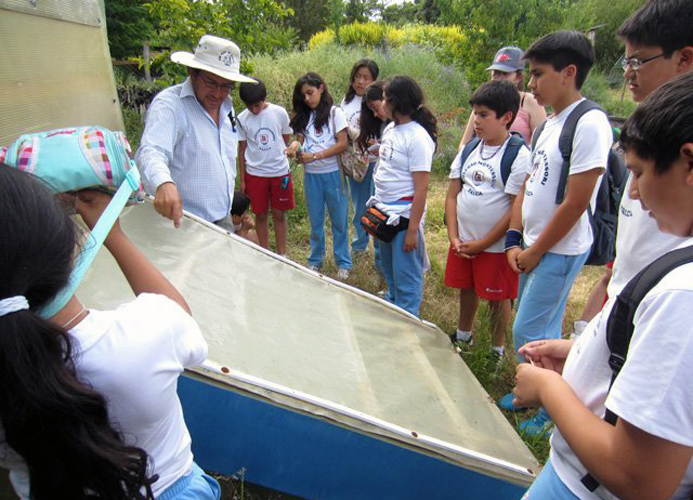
(591, 144)
(404, 149)
(352, 111)
(483, 199)
(316, 141)
(638, 242)
(133, 357)
(264, 155)
(653, 392)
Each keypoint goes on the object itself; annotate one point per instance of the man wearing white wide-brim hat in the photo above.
(188, 150)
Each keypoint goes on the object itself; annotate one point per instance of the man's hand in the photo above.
(167, 202)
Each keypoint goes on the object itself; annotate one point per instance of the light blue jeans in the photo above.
(195, 486)
(403, 272)
(360, 192)
(548, 486)
(325, 190)
(542, 296)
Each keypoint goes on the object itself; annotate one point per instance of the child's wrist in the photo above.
(513, 239)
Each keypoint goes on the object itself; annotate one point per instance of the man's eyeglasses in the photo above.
(212, 85)
(635, 63)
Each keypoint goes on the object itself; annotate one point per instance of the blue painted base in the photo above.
(309, 457)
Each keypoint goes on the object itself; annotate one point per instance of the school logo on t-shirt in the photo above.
(540, 172)
(480, 173)
(322, 135)
(265, 138)
(386, 150)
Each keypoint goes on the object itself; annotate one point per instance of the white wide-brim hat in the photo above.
(216, 55)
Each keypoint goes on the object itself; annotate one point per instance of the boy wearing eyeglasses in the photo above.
(659, 46)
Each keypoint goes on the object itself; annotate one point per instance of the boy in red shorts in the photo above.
(263, 133)
(477, 210)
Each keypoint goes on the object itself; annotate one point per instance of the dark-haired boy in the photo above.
(659, 46)
(556, 237)
(264, 132)
(241, 224)
(478, 212)
(647, 452)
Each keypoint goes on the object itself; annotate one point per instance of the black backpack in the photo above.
(605, 216)
(515, 143)
(619, 328)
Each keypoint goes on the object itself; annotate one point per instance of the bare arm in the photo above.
(411, 239)
(141, 274)
(341, 145)
(242, 146)
(516, 223)
(451, 213)
(468, 131)
(629, 462)
(537, 113)
(577, 199)
(292, 149)
(287, 138)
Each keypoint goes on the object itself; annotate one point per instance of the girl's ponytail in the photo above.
(57, 424)
(425, 117)
(406, 98)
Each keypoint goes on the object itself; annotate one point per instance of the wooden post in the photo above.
(145, 54)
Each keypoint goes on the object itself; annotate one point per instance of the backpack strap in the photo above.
(515, 143)
(565, 143)
(537, 133)
(620, 327)
(468, 148)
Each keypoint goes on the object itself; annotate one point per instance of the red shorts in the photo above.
(489, 274)
(265, 190)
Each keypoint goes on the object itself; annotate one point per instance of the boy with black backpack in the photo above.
(485, 177)
(632, 365)
(550, 235)
(658, 46)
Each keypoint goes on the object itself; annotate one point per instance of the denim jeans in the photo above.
(403, 272)
(360, 192)
(542, 296)
(326, 190)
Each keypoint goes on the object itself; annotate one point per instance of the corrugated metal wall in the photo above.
(55, 67)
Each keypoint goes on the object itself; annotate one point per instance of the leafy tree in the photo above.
(492, 24)
(429, 11)
(254, 25)
(607, 15)
(360, 11)
(310, 16)
(128, 27)
(401, 14)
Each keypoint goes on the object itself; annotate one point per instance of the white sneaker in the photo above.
(342, 274)
(314, 268)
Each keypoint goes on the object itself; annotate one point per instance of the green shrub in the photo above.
(445, 87)
(597, 88)
(448, 43)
